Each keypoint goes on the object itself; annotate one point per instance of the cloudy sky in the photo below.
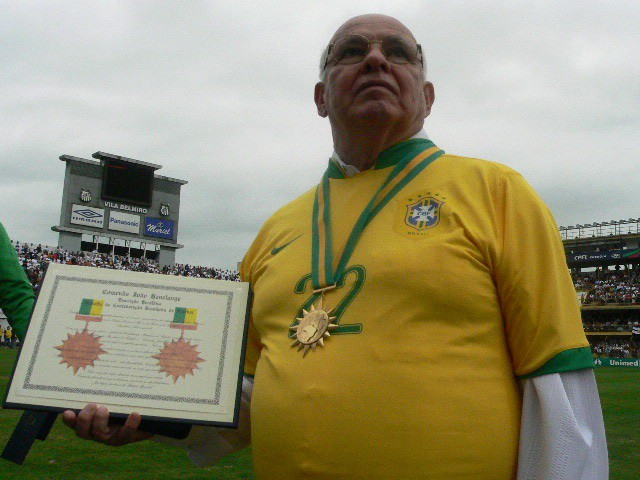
(221, 94)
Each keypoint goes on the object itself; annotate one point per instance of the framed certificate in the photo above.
(168, 347)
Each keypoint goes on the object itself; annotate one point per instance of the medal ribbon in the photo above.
(322, 243)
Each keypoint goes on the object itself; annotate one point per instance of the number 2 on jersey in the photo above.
(305, 282)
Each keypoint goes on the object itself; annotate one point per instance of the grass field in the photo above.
(63, 456)
(620, 395)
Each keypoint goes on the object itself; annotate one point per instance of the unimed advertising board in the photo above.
(616, 362)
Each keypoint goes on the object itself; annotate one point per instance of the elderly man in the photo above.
(413, 314)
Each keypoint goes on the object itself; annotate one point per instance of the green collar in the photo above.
(403, 151)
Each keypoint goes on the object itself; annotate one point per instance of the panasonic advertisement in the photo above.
(124, 222)
(88, 216)
(159, 227)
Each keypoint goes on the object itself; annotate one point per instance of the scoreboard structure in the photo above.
(602, 244)
(119, 206)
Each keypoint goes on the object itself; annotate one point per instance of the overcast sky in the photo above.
(221, 95)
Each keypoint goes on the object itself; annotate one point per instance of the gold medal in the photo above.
(314, 326)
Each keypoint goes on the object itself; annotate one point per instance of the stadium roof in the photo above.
(601, 229)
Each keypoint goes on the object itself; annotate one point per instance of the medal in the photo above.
(315, 324)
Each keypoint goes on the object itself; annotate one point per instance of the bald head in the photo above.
(375, 21)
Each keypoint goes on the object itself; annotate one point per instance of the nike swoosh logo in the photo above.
(279, 249)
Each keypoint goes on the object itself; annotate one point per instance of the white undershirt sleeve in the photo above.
(207, 445)
(562, 433)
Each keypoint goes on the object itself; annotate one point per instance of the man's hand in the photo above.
(92, 423)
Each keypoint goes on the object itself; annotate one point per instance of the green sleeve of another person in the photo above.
(16, 292)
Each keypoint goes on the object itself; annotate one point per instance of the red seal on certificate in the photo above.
(80, 350)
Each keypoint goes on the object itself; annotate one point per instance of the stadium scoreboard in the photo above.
(126, 182)
(119, 206)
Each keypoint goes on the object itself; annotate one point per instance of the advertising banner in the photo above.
(124, 222)
(89, 216)
(607, 255)
(159, 227)
(616, 362)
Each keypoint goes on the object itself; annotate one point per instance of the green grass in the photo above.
(619, 392)
(63, 456)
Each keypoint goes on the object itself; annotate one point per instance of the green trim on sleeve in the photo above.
(248, 375)
(566, 361)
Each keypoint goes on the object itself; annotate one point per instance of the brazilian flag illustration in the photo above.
(185, 318)
(90, 310)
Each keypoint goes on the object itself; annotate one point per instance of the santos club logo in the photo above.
(85, 195)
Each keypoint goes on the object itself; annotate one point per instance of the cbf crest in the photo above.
(424, 213)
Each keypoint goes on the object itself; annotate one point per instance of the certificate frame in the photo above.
(92, 338)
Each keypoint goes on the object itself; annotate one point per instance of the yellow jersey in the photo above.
(457, 288)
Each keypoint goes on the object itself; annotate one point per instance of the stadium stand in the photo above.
(34, 258)
(604, 259)
(609, 287)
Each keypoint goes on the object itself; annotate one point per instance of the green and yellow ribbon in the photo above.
(410, 158)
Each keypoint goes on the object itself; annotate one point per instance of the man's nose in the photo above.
(375, 58)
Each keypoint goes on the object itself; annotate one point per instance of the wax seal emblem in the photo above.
(178, 358)
(80, 350)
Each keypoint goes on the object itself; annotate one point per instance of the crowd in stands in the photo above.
(612, 348)
(616, 325)
(34, 258)
(609, 286)
(611, 328)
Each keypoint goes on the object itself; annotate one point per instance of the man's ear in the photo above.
(318, 96)
(429, 97)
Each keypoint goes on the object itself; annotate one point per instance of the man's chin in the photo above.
(375, 112)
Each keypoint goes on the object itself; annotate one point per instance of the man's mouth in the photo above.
(375, 83)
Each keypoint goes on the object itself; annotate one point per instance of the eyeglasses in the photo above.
(351, 49)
